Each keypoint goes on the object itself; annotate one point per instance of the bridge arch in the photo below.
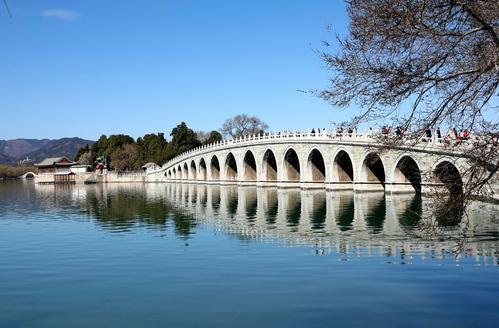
(446, 174)
(175, 173)
(249, 167)
(230, 167)
(406, 175)
(343, 171)
(291, 166)
(316, 167)
(202, 169)
(372, 171)
(28, 175)
(185, 172)
(214, 168)
(447, 178)
(193, 171)
(179, 172)
(269, 166)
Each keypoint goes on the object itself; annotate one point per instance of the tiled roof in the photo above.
(50, 161)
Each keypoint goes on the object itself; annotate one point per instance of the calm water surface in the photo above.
(184, 255)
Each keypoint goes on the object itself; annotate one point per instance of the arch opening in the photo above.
(292, 166)
(343, 167)
(374, 170)
(408, 172)
(448, 175)
(315, 166)
(185, 172)
(249, 165)
(202, 169)
(193, 170)
(230, 167)
(215, 168)
(180, 172)
(269, 166)
(174, 173)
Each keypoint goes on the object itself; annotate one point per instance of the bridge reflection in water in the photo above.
(345, 222)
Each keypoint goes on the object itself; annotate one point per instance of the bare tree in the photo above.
(243, 124)
(423, 65)
(86, 158)
(124, 158)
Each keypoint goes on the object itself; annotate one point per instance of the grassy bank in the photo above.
(14, 171)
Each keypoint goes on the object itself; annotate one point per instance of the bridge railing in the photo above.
(371, 136)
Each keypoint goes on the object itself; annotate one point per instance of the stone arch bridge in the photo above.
(355, 161)
(28, 175)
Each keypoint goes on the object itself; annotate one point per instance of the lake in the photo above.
(179, 255)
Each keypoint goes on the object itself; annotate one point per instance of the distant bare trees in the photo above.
(243, 124)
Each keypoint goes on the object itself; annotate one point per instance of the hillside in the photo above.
(6, 159)
(14, 150)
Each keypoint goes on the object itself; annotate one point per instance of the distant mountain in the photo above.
(6, 159)
(14, 150)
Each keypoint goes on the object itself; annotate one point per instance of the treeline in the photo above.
(123, 153)
(14, 171)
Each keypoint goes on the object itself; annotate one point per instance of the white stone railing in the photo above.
(353, 137)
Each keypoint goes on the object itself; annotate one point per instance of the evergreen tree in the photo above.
(183, 139)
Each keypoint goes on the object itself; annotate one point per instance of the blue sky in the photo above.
(91, 67)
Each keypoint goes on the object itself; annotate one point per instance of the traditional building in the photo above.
(55, 165)
(55, 170)
(80, 168)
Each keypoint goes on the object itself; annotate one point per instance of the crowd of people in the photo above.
(452, 136)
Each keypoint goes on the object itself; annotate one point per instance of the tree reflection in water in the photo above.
(123, 209)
